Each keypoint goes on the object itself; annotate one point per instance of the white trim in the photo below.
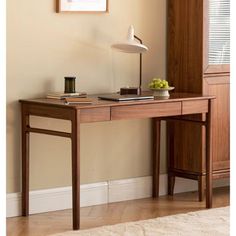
(129, 189)
(98, 193)
(57, 199)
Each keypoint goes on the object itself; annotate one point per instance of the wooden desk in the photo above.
(176, 106)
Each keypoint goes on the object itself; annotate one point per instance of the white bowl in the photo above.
(162, 92)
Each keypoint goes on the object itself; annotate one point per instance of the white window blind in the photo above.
(219, 32)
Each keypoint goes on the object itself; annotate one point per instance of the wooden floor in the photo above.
(60, 221)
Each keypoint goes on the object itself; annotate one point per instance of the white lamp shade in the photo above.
(130, 45)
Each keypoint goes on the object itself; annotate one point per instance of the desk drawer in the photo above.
(95, 114)
(146, 111)
(195, 107)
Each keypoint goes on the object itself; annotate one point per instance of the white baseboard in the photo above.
(58, 199)
(98, 193)
(129, 189)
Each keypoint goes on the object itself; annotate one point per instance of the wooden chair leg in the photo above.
(171, 184)
(201, 188)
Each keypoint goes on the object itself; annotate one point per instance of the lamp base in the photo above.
(130, 90)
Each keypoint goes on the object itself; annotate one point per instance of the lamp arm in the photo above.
(140, 64)
(139, 39)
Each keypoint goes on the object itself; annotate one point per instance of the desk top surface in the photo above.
(174, 97)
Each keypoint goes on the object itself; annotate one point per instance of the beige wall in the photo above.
(42, 48)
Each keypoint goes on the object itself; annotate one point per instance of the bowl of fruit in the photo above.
(160, 87)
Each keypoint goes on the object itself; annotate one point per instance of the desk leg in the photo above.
(25, 161)
(156, 156)
(209, 155)
(75, 141)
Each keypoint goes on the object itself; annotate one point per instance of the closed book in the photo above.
(61, 95)
(78, 101)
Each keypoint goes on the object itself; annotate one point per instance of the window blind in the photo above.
(219, 32)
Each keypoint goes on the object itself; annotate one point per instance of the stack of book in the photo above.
(71, 98)
(58, 95)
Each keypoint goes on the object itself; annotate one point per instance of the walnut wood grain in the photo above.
(201, 187)
(185, 120)
(95, 114)
(25, 160)
(75, 146)
(221, 174)
(209, 153)
(170, 156)
(50, 111)
(145, 111)
(187, 143)
(188, 70)
(156, 156)
(184, 47)
(221, 127)
(99, 111)
(48, 132)
(189, 107)
(215, 80)
(184, 71)
(220, 164)
(96, 103)
(217, 69)
(171, 184)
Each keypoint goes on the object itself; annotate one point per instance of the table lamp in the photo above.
(132, 46)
